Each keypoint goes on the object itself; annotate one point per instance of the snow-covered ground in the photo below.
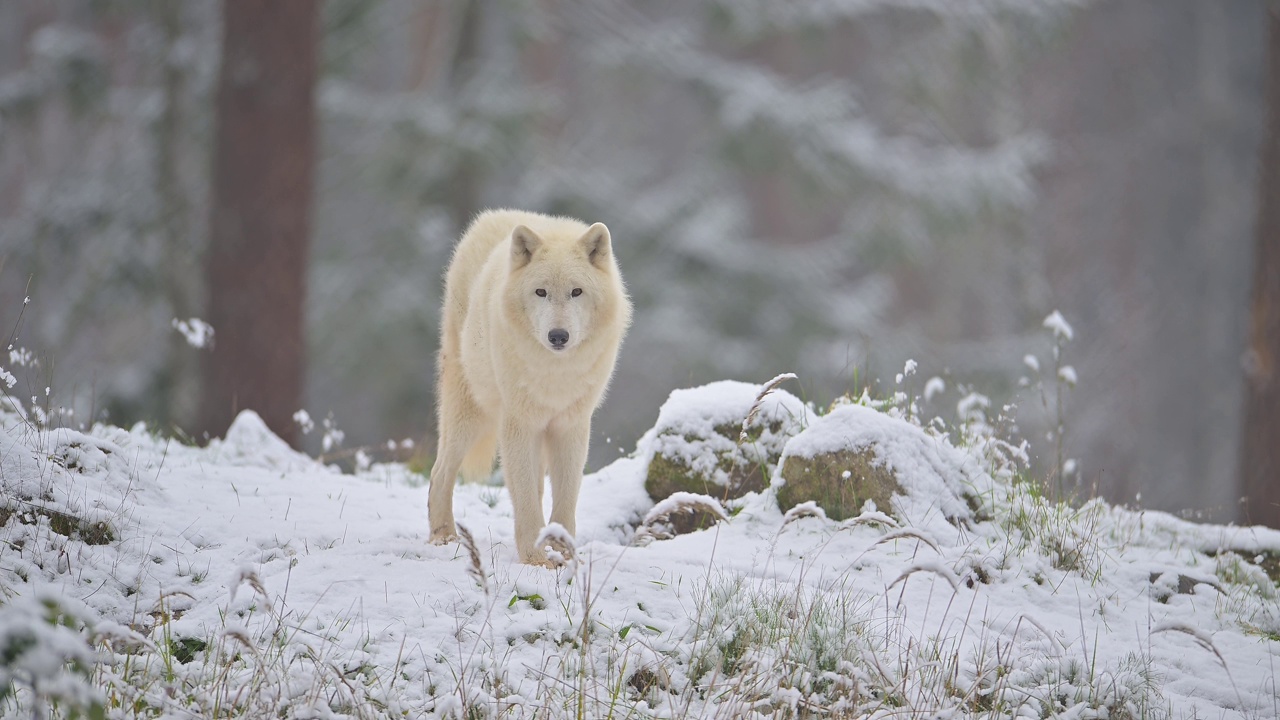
(245, 578)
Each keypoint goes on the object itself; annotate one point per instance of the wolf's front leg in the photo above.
(460, 423)
(567, 442)
(522, 470)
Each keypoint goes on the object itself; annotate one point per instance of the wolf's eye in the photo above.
(540, 292)
(576, 292)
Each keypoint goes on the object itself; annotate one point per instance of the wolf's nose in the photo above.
(558, 338)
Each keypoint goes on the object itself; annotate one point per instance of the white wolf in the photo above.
(534, 312)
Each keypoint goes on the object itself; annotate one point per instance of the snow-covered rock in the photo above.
(696, 444)
(250, 442)
(856, 454)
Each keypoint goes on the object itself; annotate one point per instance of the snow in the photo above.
(972, 406)
(198, 333)
(870, 516)
(333, 436)
(696, 411)
(803, 510)
(933, 475)
(934, 386)
(304, 421)
(555, 534)
(684, 501)
(36, 650)
(331, 582)
(687, 422)
(250, 442)
(557, 542)
(1067, 374)
(932, 566)
(21, 357)
(1059, 326)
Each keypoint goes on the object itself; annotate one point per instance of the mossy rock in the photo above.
(683, 514)
(857, 453)
(697, 445)
(822, 479)
(685, 522)
(733, 476)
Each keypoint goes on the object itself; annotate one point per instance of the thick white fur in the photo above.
(502, 382)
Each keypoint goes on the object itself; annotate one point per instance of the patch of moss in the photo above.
(90, 533)
(668, 476)
(754, 431)
(184, 650)
(821, 479)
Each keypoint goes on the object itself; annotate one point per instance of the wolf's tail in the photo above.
(477, 466)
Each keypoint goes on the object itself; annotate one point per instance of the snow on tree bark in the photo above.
(263, 164)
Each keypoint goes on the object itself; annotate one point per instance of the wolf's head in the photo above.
(563, 284)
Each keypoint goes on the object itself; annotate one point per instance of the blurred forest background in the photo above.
(829, 188)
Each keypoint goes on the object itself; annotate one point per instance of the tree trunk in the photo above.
(262, 193)
(464, 191)
(177, 382)
(1260, 464)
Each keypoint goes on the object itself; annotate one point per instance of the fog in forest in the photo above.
(825, 188)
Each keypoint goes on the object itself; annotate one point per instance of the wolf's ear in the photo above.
(597, 245)
(524, 243)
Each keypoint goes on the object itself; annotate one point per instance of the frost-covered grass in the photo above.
(146, 578)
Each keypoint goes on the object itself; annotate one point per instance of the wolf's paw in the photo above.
(551, 554)
(557, 544)
(444, 535)
(538, 558)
